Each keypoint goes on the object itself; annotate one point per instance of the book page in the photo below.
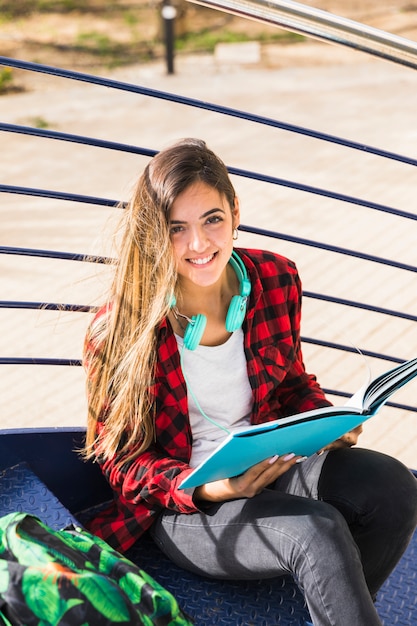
(375, 393)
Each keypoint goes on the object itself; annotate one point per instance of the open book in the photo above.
(304, 434)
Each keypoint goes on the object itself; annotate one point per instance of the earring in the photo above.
(235, 234)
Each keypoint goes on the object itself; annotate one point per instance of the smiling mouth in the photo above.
(203, 261)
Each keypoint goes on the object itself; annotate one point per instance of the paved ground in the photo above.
(372, 102)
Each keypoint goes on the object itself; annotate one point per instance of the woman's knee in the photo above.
(323, 534)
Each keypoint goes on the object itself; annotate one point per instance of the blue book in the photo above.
(304, 433)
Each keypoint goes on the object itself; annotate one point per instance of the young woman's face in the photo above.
(201, 224)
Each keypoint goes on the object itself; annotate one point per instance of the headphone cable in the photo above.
(192, 394)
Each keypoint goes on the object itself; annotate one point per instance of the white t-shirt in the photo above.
(217, 382)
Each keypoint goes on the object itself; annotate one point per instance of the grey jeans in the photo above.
(290, 529)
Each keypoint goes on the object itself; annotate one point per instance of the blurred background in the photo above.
(94, 35)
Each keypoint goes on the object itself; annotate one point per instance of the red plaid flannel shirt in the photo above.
(280, 385)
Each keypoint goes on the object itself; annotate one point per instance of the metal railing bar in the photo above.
(27, 360)
(344, 348)
(78, 363)
(324, 246)
(327, 344)
(242, 227)
(200, 104)
(59, 195)
(319, 191)
(322, 25)
(79, 139)
(232, 170)
(48, 306)
(359, 305)
(56, 254)
(34, 360)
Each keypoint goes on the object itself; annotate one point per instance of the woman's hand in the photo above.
(347, 441)
(249, 484)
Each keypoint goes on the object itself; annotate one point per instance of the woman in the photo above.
(198, 339)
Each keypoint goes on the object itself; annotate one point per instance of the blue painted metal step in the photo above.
(273, 602)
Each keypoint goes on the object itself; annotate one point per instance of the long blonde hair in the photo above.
(121, 346)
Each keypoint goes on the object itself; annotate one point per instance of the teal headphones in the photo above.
(235, 314)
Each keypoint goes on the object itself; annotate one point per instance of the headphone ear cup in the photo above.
(236, 313)
(194, 331)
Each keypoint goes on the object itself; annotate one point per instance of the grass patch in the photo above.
(113, 53)
(206, 40)
(19, 8)
(6, 79)
(39, 122)
(97, 43)
(114, 33)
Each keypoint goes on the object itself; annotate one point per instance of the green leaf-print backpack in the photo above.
(71, 578)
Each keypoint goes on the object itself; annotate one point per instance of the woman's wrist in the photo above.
(212, 492)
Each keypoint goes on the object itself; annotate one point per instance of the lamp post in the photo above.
(169, 14)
